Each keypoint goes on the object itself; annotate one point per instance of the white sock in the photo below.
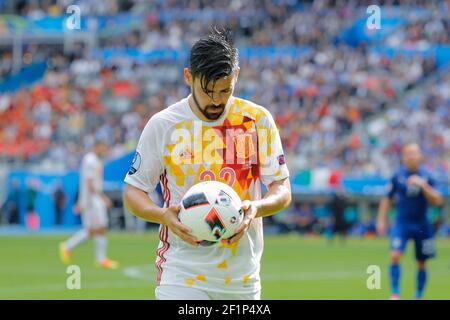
(100, 247)
(77, 238)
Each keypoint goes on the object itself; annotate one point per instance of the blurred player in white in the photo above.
(93, 204)
(209, 135)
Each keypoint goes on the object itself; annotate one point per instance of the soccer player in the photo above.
(93, 204)
(209, 135)
(415, 189)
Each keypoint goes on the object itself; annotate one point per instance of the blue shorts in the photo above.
(422, 235)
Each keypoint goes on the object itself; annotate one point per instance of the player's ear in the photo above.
(187, 76)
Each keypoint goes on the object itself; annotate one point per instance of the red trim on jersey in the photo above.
(164, 231)
(162, 259)
(165, 182)
(163, 237)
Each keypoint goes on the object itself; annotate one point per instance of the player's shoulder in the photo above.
(168, 116)
(89, 158)
(171, 113)
(250, 109)
(400, 172)
(426, 174)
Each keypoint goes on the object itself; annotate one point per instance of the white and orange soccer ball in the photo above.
(212, 210)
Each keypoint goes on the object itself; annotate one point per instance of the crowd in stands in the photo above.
(424, 117)
(429, 25)
(337, 106)
(331, 89)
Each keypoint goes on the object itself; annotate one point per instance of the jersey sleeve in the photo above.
(392, 187)
(272, 160)
(432, 181)
(89, 168)
(146, 166)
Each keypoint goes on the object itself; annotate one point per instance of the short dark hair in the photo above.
(213, 57)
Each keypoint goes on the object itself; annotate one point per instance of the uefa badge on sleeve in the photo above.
(136, 163)
(281, 159)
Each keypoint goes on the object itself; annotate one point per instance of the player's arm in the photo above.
(278, 197)
(94, 190)
(433, 196)
(383, 209)
(385, 206)
(138, 202)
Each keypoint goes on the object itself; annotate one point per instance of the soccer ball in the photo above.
(212, 210)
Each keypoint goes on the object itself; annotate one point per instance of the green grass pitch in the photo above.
(293, 267)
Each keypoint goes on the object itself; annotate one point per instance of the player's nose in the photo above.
(217, 99)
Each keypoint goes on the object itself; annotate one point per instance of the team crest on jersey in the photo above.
(244, 145)
(186, 154)
(135, 164)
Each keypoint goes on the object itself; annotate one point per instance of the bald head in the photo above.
(101, 148)
(412, 156)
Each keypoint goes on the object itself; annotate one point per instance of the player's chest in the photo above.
(406, 189)
(194, 144)
(223, 153)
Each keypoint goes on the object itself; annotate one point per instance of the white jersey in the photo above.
(91, 168)
(176, 149)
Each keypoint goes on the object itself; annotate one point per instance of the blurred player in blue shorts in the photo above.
(415, 190)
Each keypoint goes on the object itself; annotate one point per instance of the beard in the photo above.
(211, 111)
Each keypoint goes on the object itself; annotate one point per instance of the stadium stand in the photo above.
(351, 99)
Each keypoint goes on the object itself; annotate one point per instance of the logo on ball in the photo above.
(212, 210)
(215, 223)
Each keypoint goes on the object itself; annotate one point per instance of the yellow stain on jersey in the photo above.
(223, 265)
(189, 281)
(232, 247)
(246, 279)
(227, 280)
(201, 277)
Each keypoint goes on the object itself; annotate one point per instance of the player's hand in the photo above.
(381, 227)
(108, 202)
(417, 180)
(76, 209)
(170, 219)
(250, 212)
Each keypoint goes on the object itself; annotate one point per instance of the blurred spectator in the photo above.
(338, 205)
(59, 199)
(32, 220)
(11, 207)
(304, 219)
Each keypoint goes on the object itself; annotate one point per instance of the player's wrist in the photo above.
(164, 215)
(424, 184)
